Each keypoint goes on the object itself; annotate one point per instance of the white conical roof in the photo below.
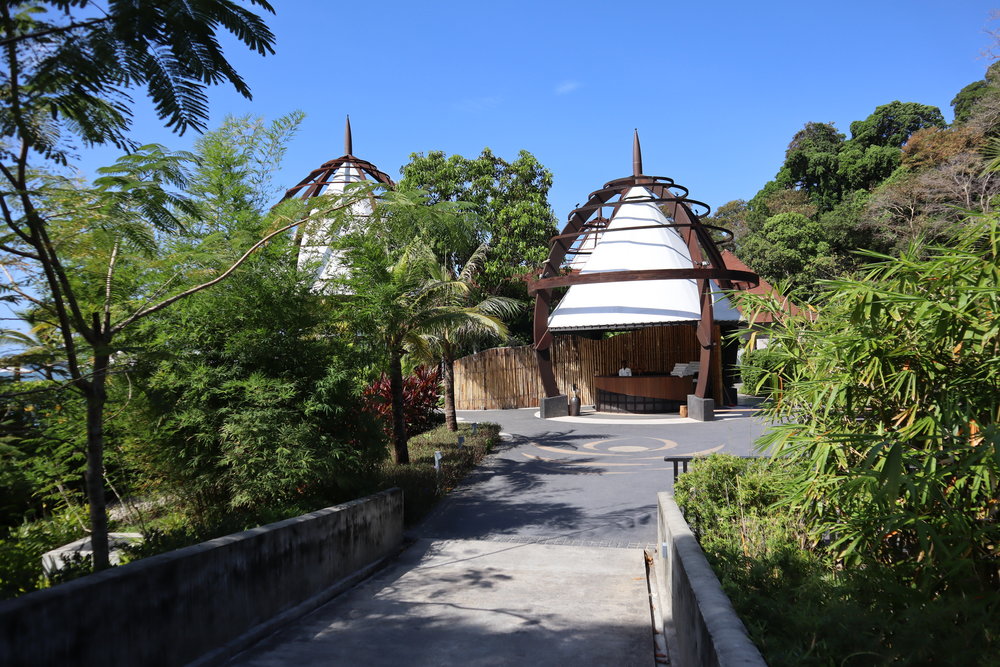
(636, 303)
(315, 250)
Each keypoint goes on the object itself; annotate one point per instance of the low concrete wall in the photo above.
(706, 630)
(179, 606)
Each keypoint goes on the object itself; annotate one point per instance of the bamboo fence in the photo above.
(507, 377)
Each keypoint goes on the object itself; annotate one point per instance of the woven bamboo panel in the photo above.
(507, 377)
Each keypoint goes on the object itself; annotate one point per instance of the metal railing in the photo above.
(681, 462)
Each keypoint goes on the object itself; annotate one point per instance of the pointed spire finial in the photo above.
(636, 155)
(348, 143)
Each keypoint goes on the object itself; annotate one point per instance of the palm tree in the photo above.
(483, 322)
(401, 302)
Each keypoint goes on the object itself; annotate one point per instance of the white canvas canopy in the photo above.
(315, 250)
(636, 303)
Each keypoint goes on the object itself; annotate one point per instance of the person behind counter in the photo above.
(625, 371)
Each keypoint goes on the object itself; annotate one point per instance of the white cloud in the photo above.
(567, 87)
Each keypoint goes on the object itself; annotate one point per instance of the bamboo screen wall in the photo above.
(507, 377)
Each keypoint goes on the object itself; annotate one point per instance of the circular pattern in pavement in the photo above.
(618, 455)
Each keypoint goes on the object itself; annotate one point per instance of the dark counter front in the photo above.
(641, 393)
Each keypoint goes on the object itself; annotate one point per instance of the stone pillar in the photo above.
(701, 409)
(554, 406)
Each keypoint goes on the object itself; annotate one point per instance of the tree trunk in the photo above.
(400, 453)
(448, 367)
(96, 396)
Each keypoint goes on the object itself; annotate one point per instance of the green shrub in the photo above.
(799, 604)
(253, 407)
(22, 547)
(422, 485)
(732, 499)
(757, 370)
(889, 400)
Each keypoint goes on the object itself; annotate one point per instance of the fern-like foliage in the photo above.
(70, 65)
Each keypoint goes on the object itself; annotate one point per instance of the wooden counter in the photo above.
(641, 393)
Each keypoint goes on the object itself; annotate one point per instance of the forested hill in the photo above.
(904, 173)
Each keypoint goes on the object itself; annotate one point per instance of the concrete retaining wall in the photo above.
(184, 605)
(705, 628)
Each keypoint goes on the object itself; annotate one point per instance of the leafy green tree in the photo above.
(848, 227)
(38, 351)
(875, 147)
(790, 249)
(892, 124)
(976, 92)
(67, 75)
(813, 162)
(888, 399)
(759, 207)
(41, 452)
(256, 407)
(511, 202)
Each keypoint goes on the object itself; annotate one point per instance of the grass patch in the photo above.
(422, 485)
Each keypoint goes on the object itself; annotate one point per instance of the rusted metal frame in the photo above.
(322, 181)
(628, 181)
(672, 224)
(318, 179)
(708, 243)
(662, 194)
(683, 215)
(706, 328)
(595, 227)
(543, 298)
(656, 200)
(577, 221)
(321, 176)
(543, 343)
(693, 273)
(659, 199)
(599, 199)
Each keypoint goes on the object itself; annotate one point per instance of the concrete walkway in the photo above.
(536, 559)
(467, 602)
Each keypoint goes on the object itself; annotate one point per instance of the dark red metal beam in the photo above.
(693, 273)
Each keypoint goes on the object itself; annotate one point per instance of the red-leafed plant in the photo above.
(421, 393)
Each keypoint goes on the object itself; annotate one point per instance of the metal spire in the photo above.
(348, 143)
(636, 155)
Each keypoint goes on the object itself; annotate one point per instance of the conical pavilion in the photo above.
(333, 177)
(635, 255)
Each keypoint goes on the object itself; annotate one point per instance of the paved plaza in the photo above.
(586, 481)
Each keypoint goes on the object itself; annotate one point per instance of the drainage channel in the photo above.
(661, 655)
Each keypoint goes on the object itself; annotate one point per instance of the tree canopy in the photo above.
(892, 181)
(511, 202)
(72, 64)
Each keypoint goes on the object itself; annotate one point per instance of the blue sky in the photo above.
(716, 89)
